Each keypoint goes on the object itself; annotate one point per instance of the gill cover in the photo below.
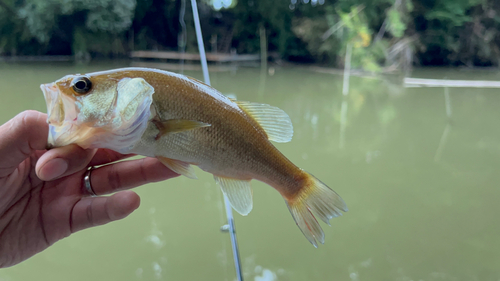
(114, 119)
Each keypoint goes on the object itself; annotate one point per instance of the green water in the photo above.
(422, 188)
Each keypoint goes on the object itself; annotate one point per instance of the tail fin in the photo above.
(326, 204)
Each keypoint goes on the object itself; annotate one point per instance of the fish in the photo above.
(184, 122)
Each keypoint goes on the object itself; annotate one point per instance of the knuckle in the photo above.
(108, 214)
(25, 121)
(142, 168)
(31, 118)
(114, 178)
(78, 157)
(90, 213)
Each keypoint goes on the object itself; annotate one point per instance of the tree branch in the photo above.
(340, 24)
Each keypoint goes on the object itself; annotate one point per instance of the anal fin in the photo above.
(238, 192)
(176, 125)
(180, 167)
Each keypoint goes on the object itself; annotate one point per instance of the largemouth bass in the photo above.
(183, 122)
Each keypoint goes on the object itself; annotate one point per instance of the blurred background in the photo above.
(383, 32)
(394, 105)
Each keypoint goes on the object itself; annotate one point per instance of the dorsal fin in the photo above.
(273, 120)
(198, 81)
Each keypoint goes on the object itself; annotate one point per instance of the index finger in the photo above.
(63, 161)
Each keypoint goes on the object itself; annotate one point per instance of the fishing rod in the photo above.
(206, 77)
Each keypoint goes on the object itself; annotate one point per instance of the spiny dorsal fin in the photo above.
(198, 81)
(238, 192)
(273, 120)
(180, 167)
(176, 125)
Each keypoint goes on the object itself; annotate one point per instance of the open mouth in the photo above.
(113, 119)
(55, 108)
(59, 116)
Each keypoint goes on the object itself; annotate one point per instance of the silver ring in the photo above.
(86, 182)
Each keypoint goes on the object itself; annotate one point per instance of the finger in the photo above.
(94, 211)
(63, 161)
(19, 137)
(105, 156)
(128, 174)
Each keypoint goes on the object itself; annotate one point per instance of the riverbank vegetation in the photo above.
(390, 34)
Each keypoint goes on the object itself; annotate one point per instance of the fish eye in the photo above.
(82, 85)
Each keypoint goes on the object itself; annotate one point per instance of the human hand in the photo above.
(42, 197)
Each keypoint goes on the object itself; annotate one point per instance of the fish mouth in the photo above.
(114, 119)
(55, 110)
(54, 114)
(61, 115)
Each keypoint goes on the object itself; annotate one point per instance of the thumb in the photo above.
(19, 137)
(63, 161)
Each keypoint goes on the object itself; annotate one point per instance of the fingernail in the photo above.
(54, 168)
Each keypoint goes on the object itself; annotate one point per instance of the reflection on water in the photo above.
(259, 273)
(421, 185)
(343, 122)
(154, 237)
(355, 269)
(447, 129)
(442, 142)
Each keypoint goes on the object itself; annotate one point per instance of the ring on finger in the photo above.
(86, 182)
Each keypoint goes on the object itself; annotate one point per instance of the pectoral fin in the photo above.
(238, 192)
(180, 167)
(176, 125)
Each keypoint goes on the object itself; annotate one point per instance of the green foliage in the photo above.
(311, 32)
(328, 38)
(7, 25)
(395, 25)
(358, 35)
(75, 22)
(458, 32)
(102, 43)
(384, 33)
(39, 18)
(100, 15)
(451, 12)
(275, 16)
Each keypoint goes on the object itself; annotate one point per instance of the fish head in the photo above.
(99, 110)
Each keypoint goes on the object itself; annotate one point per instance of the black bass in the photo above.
(183, 122)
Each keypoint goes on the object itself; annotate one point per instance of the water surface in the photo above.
(421, 187)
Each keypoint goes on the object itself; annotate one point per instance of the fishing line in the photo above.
(182, 39)
(206, 77)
